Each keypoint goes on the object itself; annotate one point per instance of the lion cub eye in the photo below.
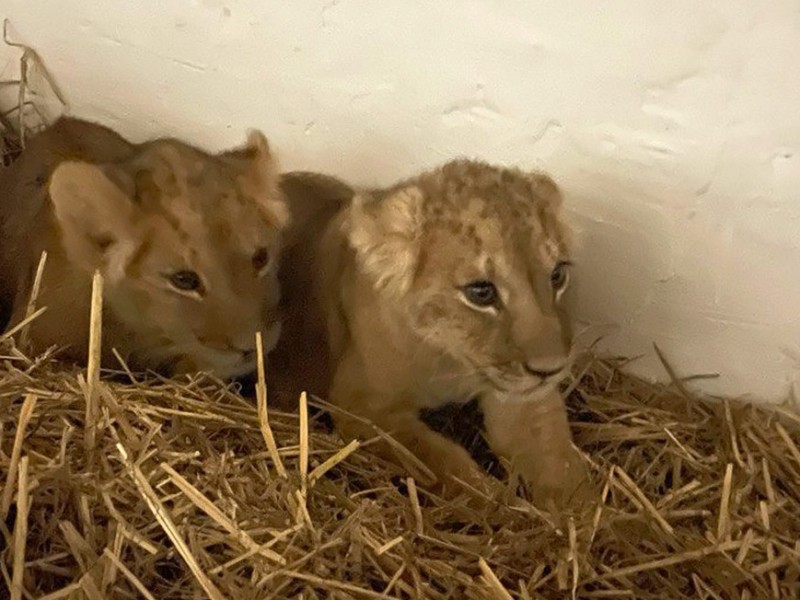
(186, 281)
(260, 259)
(559, 275)
(481, 293)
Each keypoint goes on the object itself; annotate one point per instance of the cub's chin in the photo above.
(233, 365)
(240, 368)
(223, 366)
(529, 392)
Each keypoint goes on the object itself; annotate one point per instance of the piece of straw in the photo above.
(795, 452)
(724, 507)
(332, 584)
(732, 433)
(93, 369)
(20, 530)
(303, 445)
(30, 309)
(16, 452)
(645, 502)
(389, 545)
(64, 592)
(671, 561)
(263, 415)
(414, 497)
(22, 324)
(135, 581)
(773, 577)
(497, 588)
(319, 471)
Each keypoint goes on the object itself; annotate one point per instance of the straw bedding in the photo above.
(185, 489)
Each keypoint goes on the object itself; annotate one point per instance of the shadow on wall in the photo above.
(680, 271)
(622, 251)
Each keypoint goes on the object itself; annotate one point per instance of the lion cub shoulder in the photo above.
(187, 243)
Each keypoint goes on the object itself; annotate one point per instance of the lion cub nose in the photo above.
(542, 373)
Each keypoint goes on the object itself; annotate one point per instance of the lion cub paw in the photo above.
(564, 486)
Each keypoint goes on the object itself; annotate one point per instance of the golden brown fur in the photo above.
(393, 274)
(140, 214)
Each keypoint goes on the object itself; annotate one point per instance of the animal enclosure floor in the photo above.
(181, 497)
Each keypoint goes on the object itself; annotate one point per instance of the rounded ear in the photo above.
(261, 175)
(544, 187)
(255, 147)
(257, 143)
(95, 216)
(551, 212)
(385, 235)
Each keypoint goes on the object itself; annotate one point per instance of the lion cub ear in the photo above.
(261, 175)
(95, 216)
(385, 235)
(544, 188)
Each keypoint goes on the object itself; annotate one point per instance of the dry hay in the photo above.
(34, 90)
(170, 490)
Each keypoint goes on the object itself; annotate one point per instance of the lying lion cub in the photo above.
(187, 244)
(441, 288)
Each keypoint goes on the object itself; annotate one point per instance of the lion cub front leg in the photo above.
(443, 457)
(536, 438)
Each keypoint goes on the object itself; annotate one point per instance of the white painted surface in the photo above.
(673, 127)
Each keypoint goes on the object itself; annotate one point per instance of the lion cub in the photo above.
(441, 288)
(187, 243)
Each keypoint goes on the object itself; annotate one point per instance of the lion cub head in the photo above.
(188, 246)
(476, 258)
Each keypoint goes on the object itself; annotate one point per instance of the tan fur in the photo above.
(387, 277)
(138, 214)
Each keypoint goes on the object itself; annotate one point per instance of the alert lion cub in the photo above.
(441, 288)
(187, 243)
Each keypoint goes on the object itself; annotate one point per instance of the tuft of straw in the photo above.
(263, 413)
(31, 307)
(20, 530)
(93, 364)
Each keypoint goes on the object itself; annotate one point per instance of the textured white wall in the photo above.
(673, 127)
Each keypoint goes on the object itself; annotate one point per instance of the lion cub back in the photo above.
(301, 359)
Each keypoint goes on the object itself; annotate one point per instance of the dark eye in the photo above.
(260, 259)
(559, 275)
(186, 281)
(481, 293)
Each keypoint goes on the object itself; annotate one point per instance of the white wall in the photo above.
(674, 128)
